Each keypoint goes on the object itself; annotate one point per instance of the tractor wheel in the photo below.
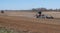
(37, 16)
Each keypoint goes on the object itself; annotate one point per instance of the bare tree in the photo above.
(34, 10)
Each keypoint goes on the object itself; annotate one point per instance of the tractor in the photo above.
(40, 15)
(2, 11)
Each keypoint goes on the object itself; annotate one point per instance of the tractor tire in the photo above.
(37, 16)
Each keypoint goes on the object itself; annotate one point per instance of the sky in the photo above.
(28, 4)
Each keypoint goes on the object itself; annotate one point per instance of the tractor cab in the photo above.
(38, 14)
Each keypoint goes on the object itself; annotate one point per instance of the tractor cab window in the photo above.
(39, 12)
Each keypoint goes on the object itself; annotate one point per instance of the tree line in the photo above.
(44, 9)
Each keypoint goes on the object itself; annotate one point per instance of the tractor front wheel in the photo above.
(37, 16)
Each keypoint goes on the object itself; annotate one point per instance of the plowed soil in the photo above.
(30, 24)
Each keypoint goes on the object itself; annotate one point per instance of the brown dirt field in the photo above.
(31, 14)
(30, 24)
